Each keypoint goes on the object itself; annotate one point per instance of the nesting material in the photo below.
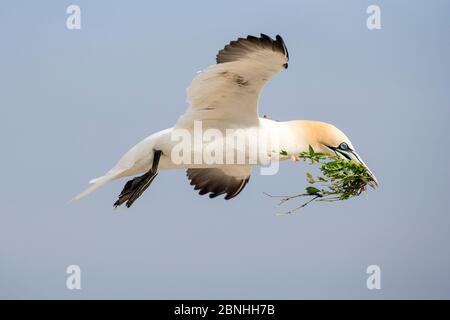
(339, 179)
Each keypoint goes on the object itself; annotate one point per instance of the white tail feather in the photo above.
(95, 180)
(131, 163)
(95, 183)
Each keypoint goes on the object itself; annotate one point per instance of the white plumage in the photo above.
(225, 96)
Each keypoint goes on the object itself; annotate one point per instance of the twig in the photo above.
(340, 179)
(287, 198)
(293, 210)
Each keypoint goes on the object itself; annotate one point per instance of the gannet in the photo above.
(224, 98)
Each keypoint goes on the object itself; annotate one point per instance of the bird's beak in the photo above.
(355, 157)
(352, 155)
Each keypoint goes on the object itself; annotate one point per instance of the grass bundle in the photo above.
(340, 179)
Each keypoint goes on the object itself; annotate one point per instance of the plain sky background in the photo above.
(72, 102)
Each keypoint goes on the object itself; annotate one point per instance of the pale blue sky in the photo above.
(72, 102)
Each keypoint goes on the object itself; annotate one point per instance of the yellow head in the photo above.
(326, 138)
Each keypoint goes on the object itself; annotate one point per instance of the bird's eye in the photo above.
(343, 146)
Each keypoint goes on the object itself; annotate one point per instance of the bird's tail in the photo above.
(94, 184)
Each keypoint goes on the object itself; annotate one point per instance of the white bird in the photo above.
(225, 97)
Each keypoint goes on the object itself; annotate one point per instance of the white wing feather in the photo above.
(228, 93)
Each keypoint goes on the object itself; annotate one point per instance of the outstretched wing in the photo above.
(228, 92)
(228, 180)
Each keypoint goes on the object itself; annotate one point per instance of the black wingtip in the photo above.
(235, 49)
(280, 40)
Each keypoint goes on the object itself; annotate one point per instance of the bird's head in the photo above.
(328, 139)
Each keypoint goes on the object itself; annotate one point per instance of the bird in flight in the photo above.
(224, 98)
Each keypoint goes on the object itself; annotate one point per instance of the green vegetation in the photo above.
(340, 179)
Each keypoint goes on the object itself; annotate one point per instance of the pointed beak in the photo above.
(352, 155)
(355, 157)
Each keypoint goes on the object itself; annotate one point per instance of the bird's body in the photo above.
(221, 136)
(140, 157)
